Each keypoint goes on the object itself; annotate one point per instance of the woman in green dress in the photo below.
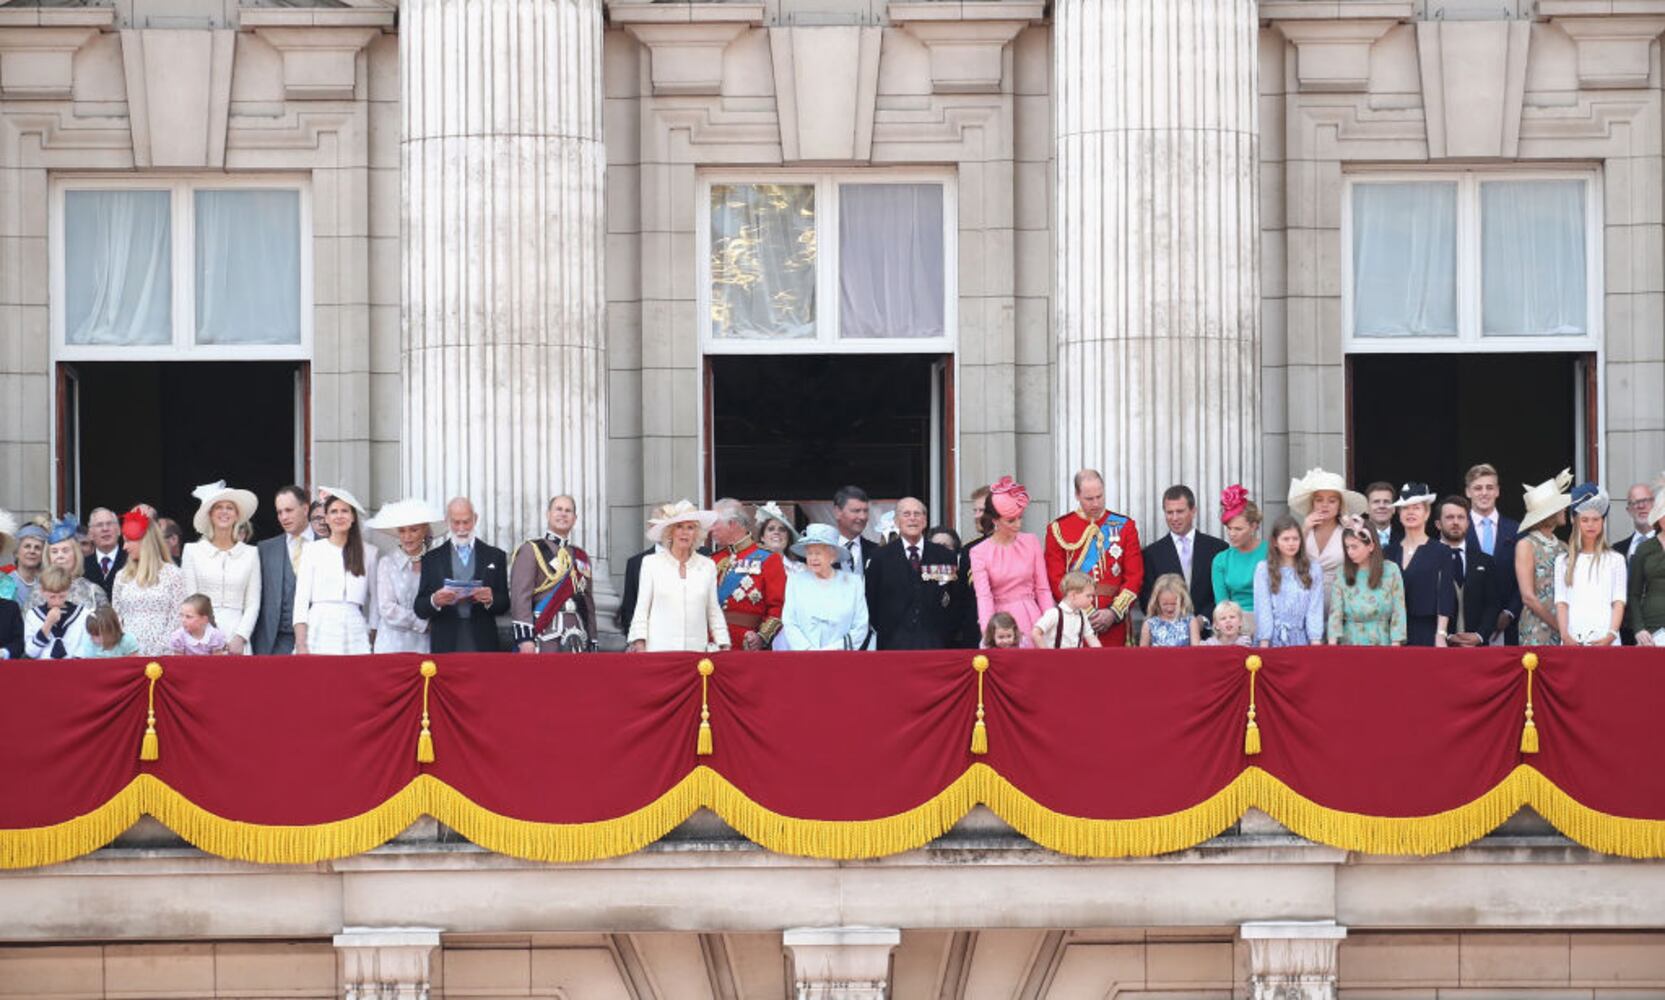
(1367, 598)
(1535, 555)
(1234, 569)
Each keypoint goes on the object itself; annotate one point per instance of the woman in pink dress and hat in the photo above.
(1008, 571)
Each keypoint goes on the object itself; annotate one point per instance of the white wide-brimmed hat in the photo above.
(1302, 490)
(8, 525)
(209, 494)
(328, 493)
(821, 534)
(677, 513)
(398, 514)
(771, 512)
(1656, 513)
(1546, 499)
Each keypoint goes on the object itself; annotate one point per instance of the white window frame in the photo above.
(1470, 322)
(183, 346)
(827, 318)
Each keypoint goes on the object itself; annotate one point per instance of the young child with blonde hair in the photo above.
(1067, 626)
(1170, 620)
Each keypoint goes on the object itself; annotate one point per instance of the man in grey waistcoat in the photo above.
(463, 619)
(280, 556)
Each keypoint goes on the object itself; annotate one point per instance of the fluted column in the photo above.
(505, 388)
(1158, 361)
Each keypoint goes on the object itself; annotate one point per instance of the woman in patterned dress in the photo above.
(150, 588)
(1367, 598)
(1546, 510)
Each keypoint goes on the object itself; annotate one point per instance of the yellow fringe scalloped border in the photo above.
(840, 840)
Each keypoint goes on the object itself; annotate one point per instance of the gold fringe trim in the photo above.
(834, 839)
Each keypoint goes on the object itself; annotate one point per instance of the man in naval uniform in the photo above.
(1105, 546)
(751, 580)
(551, 593)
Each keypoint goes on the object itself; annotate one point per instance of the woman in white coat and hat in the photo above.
(676, 603)
(220, 567)
(335, 587)
(411, 524)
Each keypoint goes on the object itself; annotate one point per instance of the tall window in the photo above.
(818, 263)
(1484, 259)
(158, 268)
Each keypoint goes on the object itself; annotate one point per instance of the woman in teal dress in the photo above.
(1367, 598)
(1234, 569)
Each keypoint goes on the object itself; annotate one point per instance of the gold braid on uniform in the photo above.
(1123, 601)
(1086, 536)
(769, 629)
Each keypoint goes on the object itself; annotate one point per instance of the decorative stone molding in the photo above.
(319, 64)
(826, 82)
(1613, 52)
(1473, 83)
(966, 41)
(178, 95)
(1334, 55)
(38, 63)
(686, 41)
(841, 963)
(386, 964)
(1293, 960)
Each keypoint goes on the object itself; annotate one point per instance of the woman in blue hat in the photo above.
(1590, 580)
(826, 605)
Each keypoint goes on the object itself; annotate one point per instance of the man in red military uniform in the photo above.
(751, 580)
(1105, 546)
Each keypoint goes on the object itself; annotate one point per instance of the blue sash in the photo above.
(1093, 552)
(732, 579)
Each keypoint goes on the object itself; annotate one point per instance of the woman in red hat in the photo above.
(150, 588)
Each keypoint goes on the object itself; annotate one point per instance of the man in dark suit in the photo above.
(850, 512)
(463, 622)
(280, 556)
(914, 594)
(1183, 550)
(968, 635)
(1637, 503)
(1494, 535)
(1379, 498)
(632, 583)
(1479, 580)
(108, 555)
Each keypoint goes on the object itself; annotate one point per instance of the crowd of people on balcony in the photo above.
(1383, 566)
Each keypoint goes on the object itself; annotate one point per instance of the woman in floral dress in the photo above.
(1535, 555)
(1367, 598)
(150, 588)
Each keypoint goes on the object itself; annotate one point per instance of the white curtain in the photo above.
(763, 254)
(1532, 257)
(248, 269)
(118, 271)
(890, 260)
(1405, 259)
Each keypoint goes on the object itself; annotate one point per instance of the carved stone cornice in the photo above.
(685, 41)
(966, 41)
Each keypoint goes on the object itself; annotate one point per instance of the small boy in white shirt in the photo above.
(1067, 626)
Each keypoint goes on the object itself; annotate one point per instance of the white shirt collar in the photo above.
(110, 554)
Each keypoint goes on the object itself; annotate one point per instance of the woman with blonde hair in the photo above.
(1590, 579)
(149, 589)
(63, 548)
(676, 603)
(1537, 557)
(399, 574)
(220, 565)
(1170, 618)
(1234, 569)
(1320, 501)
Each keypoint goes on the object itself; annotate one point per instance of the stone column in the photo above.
(1293, 960)
(1158, 364)
(386, 964)
(502, 165)
(841, 963)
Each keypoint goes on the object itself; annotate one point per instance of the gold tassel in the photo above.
(1251, 736)
(702, 747)
(425, 739)
(150, 747)
(1529, 734)
(979, 731)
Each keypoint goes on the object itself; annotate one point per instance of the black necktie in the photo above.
(1462, 566)
(104, 565)
(913, 557)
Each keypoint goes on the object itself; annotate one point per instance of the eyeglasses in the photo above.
(1639, 504)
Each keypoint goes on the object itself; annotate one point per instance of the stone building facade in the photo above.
(1202, 242)
(511, 247)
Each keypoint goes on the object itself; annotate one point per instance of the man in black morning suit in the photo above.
(1167, 554)
(1480, 582)
(914, 594)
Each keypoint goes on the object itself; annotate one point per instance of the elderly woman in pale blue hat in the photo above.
(1590, 580)
(19, 584)
(826, 606)
(63, 548)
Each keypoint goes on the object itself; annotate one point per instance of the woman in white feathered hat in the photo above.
(676, 602)
(335, 587)
(220, 567)
(411, 524)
